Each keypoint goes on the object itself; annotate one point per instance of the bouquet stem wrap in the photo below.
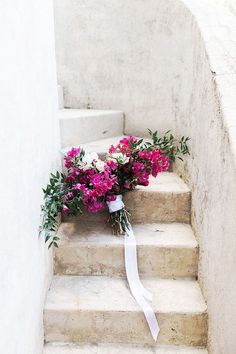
(138, 291)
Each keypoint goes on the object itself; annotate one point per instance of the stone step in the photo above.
(79, 126)
(68, 348)
(101, 309)
(164, 250)
(166, 199)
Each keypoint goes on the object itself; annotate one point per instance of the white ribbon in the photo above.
(116, 204)
(131, 266)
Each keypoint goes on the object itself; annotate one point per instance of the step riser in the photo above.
(109, 260)
(148, 207)
(124, 327)
(158, 206)
(83, 129)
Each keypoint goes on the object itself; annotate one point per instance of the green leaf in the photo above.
(50, 245)
(139, 142)
(47, 238)
(56, 238)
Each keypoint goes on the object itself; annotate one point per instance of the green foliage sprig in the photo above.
(169, 145)
(53, 203)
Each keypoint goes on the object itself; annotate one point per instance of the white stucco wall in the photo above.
(169, 64)
(229, 4)
(208, 117)
(29, 143)
(114, 52)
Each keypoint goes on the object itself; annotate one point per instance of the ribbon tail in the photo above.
(137, 289)
(131, 254)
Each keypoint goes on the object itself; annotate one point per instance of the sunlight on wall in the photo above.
(230, 4)
(29, 147)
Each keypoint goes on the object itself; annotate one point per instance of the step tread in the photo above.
(89, 293)
(116, 348)
(168, 235)
(102, 146)
(68, 113)
(166, 182)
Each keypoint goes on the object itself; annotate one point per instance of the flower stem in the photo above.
(120, 221)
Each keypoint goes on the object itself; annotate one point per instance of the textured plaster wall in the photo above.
(121, 55)
(207, 113)
(230, 4)
(169, 64)
(29, 143)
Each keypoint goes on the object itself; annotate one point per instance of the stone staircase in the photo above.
(89, 308)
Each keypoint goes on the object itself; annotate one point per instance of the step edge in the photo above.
(64, 114)
(84, 345)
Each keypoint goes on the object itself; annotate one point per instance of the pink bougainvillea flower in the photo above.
(127, 185)
(144, 155)
(95, 207)
(137, 168)
(77, 186)
(70, 179)
(65, 209)
(111, 197)
(112, 149)
(70, 155)
(73, 152)
(126, 141)
(143, 179)
(112, 165)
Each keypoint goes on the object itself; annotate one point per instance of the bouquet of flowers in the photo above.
(92, 183)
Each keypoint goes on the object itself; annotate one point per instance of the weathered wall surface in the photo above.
(29, 146)
(169, 64)
(121, 55)
(208, 117)
(229, 4)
